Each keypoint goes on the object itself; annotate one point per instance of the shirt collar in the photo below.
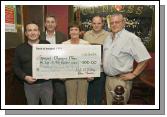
(100, 33)
(47, 33)
(118, 33)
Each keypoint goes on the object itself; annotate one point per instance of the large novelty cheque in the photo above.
(66, 61)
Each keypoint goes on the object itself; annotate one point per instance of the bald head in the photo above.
(97, 17)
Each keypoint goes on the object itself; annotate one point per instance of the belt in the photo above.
(116, 75)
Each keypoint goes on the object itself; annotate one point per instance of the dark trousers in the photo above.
(96, 90)
(59, 92)
(36, 92)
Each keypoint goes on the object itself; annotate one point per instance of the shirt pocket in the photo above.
(120, 51)
(125, 51)
(115, 52)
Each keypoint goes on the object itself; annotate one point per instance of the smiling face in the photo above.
(117, 23)
(97, 24)
(32, 32)
(74, 32)
(50, 24)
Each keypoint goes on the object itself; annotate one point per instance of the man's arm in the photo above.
(17, 66)
(19, 72)
(140, 67)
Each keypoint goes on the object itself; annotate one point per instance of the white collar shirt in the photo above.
(51, 39)
(119, 54)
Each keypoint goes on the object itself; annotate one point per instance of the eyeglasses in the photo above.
(116, 22)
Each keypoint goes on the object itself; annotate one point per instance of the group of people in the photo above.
(120, 49)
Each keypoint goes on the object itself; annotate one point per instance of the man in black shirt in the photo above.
(34, 89)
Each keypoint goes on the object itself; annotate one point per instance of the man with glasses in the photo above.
(120, 49)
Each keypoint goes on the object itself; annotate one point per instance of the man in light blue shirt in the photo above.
(120, 50)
